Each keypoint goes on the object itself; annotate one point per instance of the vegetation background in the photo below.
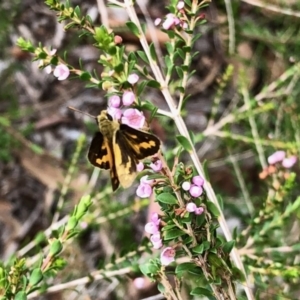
(249, 52)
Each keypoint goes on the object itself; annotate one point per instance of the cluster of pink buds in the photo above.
(171, 21)
(195, 188)
(153, 228)
(145, 187)
(280, 157)
(167, 256)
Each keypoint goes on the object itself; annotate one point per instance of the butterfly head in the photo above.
(106, 124)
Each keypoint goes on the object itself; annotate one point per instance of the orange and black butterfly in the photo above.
(119, 147)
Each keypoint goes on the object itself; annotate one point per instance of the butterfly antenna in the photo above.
(82, 112)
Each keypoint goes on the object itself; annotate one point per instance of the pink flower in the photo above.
(61, 71)
(276, 157)
(156, 240)
(144, 190)
(52, 52)
(145, 179)
(186, 185)
(133, 78)
(115, 113)
(157, 21)
(196, 191)
(199, 210)
(180, 5)
(133, 118)
(170, 22)
(167, 256)
(128, 98)
(155, 218)
(139, 282)
(140, 167)
(156, 166)
(198, 180)
(191, 207)
(151, 228)
(289, 161)
(114, 101)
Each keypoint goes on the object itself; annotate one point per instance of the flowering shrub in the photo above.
(183, 241)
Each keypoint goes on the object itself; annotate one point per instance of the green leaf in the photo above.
(172, 234)
(21, 296)
(143, 56)
(198, 249)
(153, 52)
(184, 142)
(133, 28)
(170, 47)
(220, 201)
(179, 72)
(198, 291)
(85, 76)
(35, 277)
(228, 246)
(153, 84)
(161, 287)
(213, 209)
(184, 267)
(167, 198)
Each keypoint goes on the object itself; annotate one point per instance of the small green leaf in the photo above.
(133, 28)
(35, 277)
(228, 246)
(21, 296)
(170, 48)
(198, 291)
(153, 84)
(153, 52)
(213, 209)
(198, 249)
(85, 76)
(167, 198)
(143, 56)
(179, 72)
(172, 234)
(184, 142)
(184, 267)
(161, 287)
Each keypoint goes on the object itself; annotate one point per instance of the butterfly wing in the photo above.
(141, 143)
(125, 161)
(101, 155)
(131, 145)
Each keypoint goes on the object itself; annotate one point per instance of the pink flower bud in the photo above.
(199, 210)
(191, 207)
(155, 218)
(167, 256)
(144, 190)
(156, 240)
(198, 180)
(114, 101)
(128, 98)
(156, 166)
(180, 5)
(48, 69)
(186, 185)
(196, 191)
(276, 157)
(139, 282)
(133, 78)
(151, 228)
(61, 71)
(289, 161)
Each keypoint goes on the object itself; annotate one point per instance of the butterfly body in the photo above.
(119, 147)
